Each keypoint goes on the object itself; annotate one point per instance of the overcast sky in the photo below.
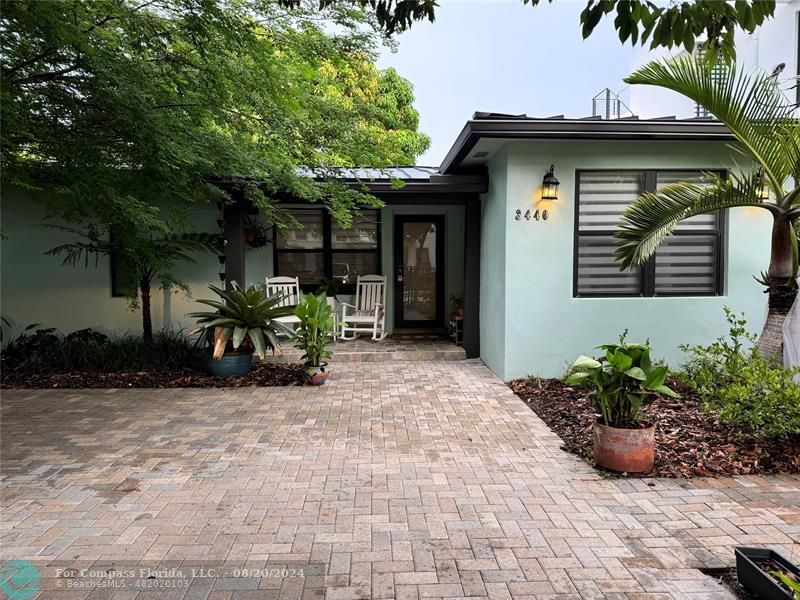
(503, 56)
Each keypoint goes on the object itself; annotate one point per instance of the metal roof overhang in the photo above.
(435, 184)
(579, 129)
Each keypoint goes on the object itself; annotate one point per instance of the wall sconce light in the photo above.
(550, 185)
(762, 189)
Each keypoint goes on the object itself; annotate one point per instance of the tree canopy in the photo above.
(681, 24)
(118, 108)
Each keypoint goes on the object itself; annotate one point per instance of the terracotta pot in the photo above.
(624, 450)
(317, 375)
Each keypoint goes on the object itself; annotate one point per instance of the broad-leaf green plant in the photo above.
(243, 314)
(623, 380)
(789, 583)
(314, 334)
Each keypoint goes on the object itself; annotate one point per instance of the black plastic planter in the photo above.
(759, 582)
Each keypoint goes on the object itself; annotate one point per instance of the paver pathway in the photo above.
(406, 480)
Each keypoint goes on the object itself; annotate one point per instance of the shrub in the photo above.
(623, 380)
(47, 351)
(740, 385)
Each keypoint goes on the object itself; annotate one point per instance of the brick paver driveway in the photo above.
(407, 480)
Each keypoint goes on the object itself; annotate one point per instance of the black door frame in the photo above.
(399, 221)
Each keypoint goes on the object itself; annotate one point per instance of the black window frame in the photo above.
(118, 289)
(647, 280)
(327, 250)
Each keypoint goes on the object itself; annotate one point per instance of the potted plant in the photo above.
(458, 306)
(314, 335)
(256, 235)
(623, 380)
(330, 287)
(767, 574)
(244, 321)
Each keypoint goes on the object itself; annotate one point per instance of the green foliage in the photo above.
(244, 314)
(793, 585)
(114, 109)
(665, 24)
(762, 121)
(47, 351)
(392, 15)
(740, 385)
(679, 24)
(623, 380)
(314, 334)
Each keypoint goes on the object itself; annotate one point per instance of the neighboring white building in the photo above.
(776, 42)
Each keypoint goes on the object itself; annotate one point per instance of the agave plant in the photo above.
(768, 137)
(243, 314)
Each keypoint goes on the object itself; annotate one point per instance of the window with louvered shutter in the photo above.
(688, 263)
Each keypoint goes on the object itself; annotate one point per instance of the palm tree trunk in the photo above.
(782, 290)
(147, 319)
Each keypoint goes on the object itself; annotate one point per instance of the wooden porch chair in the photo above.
(290, 288)
(368, 314)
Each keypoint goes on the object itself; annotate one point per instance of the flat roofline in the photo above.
(580, 129)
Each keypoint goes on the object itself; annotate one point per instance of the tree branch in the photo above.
(43, 77)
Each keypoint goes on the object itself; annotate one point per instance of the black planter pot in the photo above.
(759, 582)
(231, 365)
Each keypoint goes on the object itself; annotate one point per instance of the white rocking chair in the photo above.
(290, 288)
(368, 314)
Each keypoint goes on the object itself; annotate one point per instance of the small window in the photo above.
(688, 263)
(119, 288)
(323, 249)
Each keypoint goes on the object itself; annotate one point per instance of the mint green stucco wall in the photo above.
(37, 289)
(494, 223)
(545, 327)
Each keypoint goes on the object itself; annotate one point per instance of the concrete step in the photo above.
(363, 350)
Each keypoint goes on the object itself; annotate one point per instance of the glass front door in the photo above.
(419, 271)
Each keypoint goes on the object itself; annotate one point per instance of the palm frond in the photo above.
(648, 221)
(749, 104)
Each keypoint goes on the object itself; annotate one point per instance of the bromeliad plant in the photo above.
(242, 315)
(314, 334)
(624, 379)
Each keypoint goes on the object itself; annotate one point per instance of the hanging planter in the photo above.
(256, 235)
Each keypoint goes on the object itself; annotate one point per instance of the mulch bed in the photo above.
(689, 441)
(261, 375)
(727, 578)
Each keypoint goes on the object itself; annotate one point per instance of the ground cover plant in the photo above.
(45, 358)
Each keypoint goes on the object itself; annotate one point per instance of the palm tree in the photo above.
(141, 258)
(768, 137)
